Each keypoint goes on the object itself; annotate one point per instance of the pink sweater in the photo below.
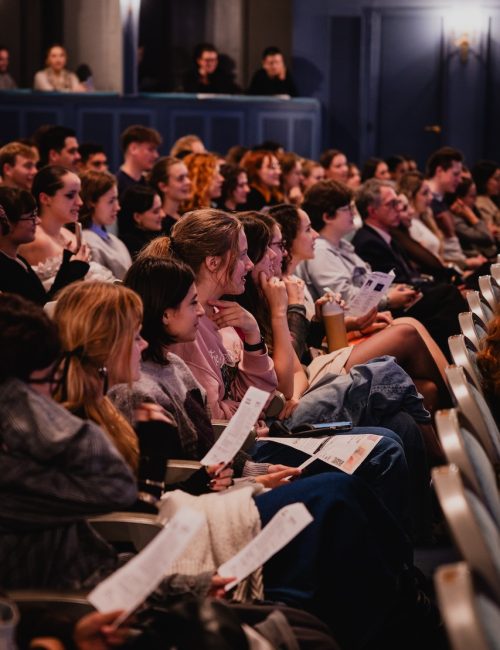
(220, 364)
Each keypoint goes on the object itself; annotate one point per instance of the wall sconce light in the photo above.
(464, 28)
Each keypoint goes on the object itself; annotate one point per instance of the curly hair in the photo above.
(202, 168)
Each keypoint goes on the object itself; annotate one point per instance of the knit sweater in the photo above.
(219, 363)
(175, 389)
(109, 251)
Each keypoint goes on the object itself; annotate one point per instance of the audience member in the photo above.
(57, 145)
(206, 179)
(312, 172)
(486, 175)
(206, 75)
(334, 163)
(55, 76)
(235, 154)
(273, 78)
(291, 177)
(375, 168)
(98, 212)
(139, 145)
(263, 171)
(170, 178)
(6, 80)
(398, 166)
(57, 193)
(235, 188)
(187, 144)
(436, 305)
(85, 77)
(141, 217)
(353, 176)
(18, 222)
(93, 157)
(17, 166)
(474, 235)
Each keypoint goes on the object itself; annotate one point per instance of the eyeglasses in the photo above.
(394, 204)
(30, 217)
(279, 245)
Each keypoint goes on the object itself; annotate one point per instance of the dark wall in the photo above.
(390, 81)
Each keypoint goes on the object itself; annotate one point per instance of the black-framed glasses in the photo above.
(30, 217)
(278, 244)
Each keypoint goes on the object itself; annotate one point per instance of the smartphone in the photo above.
(78, 233)
(333, 426)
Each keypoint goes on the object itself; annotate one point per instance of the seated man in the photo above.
(57, 145)
(139, 146)
(207, 76)
(93, 157)
(273, 78)
(436, 305)
(17, 166)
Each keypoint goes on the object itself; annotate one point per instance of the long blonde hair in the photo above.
(97, 324)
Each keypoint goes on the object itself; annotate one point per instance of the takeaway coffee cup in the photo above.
(333, 319)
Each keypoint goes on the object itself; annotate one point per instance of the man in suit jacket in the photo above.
(439, 304)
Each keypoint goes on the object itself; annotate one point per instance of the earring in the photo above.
(103, 373)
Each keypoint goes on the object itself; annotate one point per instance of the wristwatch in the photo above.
(254, 347)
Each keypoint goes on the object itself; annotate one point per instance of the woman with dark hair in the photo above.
(100, 207)
(473, 233)
(141, 217)
(375, 168)
(55, 76)
(264, 175)
(170, 178)
(235, 188)
(291, 177)
(486, 175)
(18, 222)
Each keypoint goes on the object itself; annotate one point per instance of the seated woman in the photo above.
(264, 174)
(235, 188)
(206, 179)
(57, 193)
(486, 175)
(312, 172)
(291, 177)
(100, 207)
(473, 233)
(375, 168)
(112, 341)
(141, 217)
(55, 76)
(401, 339)
(55, 469)
(170, 178)
(18, 221)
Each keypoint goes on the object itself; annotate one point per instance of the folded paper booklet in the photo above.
(130, 585)
(234, 435)
(286, 524)
(345, 451)
(371, 293)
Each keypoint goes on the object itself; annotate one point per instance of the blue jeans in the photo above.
(348, 563)
(385, 469)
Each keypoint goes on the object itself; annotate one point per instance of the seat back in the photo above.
(134, 528)
(463, 449)
(479, 307)
(476, 412)
(72, 604)
(490, 291)
(463, 354)
(473, 530)
(495, 272)
(457, 599)
(472, 328)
